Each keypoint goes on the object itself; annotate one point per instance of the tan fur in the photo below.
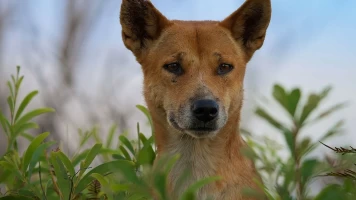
(200, 47)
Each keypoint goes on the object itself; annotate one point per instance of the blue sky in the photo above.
(315, 28)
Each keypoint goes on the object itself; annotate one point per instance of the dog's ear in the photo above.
(141, 24)
(249, 24)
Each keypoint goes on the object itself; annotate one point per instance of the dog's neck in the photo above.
(216, 156)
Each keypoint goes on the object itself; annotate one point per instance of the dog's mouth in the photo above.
(202, 129)
(198, 131)
(175, 124)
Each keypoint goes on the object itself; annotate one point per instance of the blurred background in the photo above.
(72, 52)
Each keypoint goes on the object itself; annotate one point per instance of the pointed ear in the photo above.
(249, 23)
(141, 24)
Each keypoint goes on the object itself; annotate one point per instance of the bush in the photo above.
(291, 178)
(43, 171)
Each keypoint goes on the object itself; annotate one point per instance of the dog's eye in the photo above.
(224, 68)
(174, 68)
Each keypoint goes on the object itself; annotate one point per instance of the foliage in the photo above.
(291, 177)
(44, 171)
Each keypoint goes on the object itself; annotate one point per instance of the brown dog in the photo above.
(193, 87)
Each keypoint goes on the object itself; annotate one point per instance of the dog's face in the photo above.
(194, 71)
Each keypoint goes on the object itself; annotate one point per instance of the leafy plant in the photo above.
(290, 178)
(43, 171)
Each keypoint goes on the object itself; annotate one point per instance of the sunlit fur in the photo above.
(200, 47)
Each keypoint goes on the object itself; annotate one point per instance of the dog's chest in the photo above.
(198, 162)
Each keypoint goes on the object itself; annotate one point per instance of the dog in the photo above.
(193, 86)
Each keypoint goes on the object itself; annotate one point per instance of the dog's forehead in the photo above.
(198, 36)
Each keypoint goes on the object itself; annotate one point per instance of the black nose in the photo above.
(205, 110)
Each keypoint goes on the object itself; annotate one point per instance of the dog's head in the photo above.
(194, 71)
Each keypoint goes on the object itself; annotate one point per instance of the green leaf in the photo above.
(18, 83)
(349, 187)
(119, 187)
(67, 163)
(36, 157)
(161, 174)
(284, 193)
(142, 138)
(147, 113)
(127, 144)
(137, 197)
(85, 137)
(160, 184)
(27, 136)
(146, 155)
(28, 116)
(332, 192)
(288, 101)
(31, 149)
(123, 166)
(27, 193)
(63, 180)
(264, 115)
(10, 89)
(79, 157)
(118, 157)
(312, 103)
(90, 157)
(329, 111)
(124, 151)
(138, 135)
(307, 170)
(336, 129)
(192, 189)
(325, 92)
(48, 185)
(24, 103)
(13, 81)
(12, 168)
(23, 127)
(289, 137)
(5, 174)
(10, 103)
(280, 95)
(15, 197)
(293, 99)
(111, 136)
(5, 124)
(288, 172)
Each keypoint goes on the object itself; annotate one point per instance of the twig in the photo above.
(341, 150)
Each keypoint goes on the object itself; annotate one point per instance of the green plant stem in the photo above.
(298, 179)
(13, 142)
(40, 176)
